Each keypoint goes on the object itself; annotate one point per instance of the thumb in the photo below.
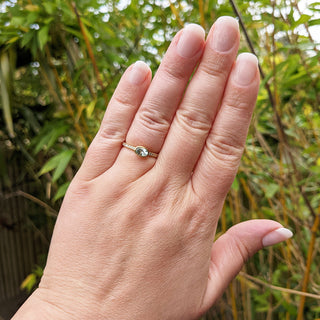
(232, 249)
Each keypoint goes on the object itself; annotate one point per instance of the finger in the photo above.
(121, 110)
(221, 155)
(197, 111)
(234, 248)
(154, 117)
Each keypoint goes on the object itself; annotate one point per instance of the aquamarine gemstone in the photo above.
(142, 151)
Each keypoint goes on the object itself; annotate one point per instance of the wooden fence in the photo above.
(23, 235)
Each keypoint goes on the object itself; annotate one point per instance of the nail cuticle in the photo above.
(138, 73)
(246, 69)
(225, 34)
(191, 41)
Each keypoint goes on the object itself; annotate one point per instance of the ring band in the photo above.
(140, 150)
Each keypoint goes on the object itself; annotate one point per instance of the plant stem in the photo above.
(65, 98)
(311, 248)
(176, 14)
(50, 211)
(90, 52)
(282, 135)
(201, 11)
(285, 290)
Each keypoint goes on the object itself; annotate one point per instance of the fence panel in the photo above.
(22, 239)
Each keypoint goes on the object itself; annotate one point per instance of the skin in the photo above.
(135, 236)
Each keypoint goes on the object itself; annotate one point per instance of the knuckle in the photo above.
(109, 132)
(240, 110)
(239, 99)
(153, 120)
(215, 69)
(173, 73)
(80, 189)
(125, 100)
(237, 104)
(192, 121)
(240, 247)
(225, 149)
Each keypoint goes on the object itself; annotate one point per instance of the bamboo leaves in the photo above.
(57, 163)
(43, 36)
(5, 86)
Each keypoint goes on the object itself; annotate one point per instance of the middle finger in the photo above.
(196, 113)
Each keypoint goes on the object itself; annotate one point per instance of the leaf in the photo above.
(87, 34)
(17, 21)
(29, 282)
(34, 46)
(61, 191)
(72, 31)
(86, 22)
(5, 91)
(32, 279)
(31, 119)
(235, 184)
(27, 37)
(49, 7)
(43, 36)
(59, 163)
(49, 136)
(90, 108)
(303, 19)
(32, 17)
(12, 40)
(65, 159)
(32, 7)
(313, 22)
(101, 104)
(271, 190)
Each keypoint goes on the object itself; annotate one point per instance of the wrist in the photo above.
(36, 307)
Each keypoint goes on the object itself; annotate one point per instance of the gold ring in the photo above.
(140, 150)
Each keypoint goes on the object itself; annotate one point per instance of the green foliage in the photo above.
(32, 279)
(52, 104)
(61, 191)
(58, 163)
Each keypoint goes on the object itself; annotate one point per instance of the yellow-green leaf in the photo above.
(57, 163)
(43, 36)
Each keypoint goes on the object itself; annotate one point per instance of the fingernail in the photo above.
(245, 69)
(191, 40)
(225, 34)
(138, 73)
(276, 236)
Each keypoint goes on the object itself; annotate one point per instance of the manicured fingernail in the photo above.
(245, 69)
(138, 73)
(225, 34)
(191, 40)
(276, 236)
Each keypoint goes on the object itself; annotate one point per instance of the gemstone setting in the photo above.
(141, 151)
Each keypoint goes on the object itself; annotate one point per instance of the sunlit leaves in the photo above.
(57, 163)
(43, 36)
(61, 191)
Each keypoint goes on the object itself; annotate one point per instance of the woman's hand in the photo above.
(134, 237)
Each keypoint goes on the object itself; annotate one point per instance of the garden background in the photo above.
(59, 64)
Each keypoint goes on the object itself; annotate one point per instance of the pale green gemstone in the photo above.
(142, 151)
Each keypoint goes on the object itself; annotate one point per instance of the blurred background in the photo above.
(59, 64)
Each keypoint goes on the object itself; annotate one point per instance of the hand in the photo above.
(134, 237)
